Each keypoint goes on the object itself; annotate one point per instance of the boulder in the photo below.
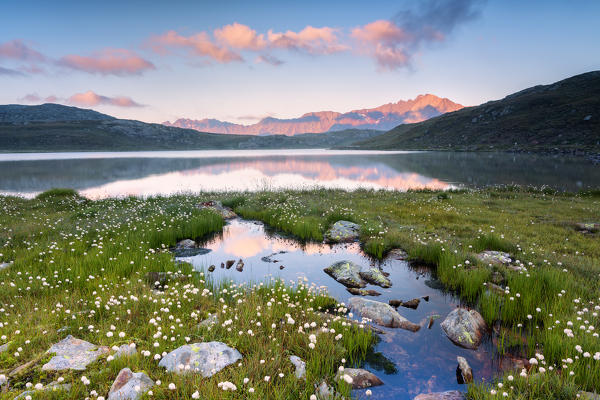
(347, 273)
(361, 378)
(186, 244)
(300, 367)
(217, 207)
(343, 231)
(381, 313)
(465, 327)
(129, 385)
(363, 292)
(465, 369)
(190, 252)
(125, 350)
(449, 395)
(375, 277)
(494, 257)
(206, 358)
(73, 353)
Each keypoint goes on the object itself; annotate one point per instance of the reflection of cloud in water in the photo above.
(257, 175)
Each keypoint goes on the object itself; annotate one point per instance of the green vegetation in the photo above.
(562, 116)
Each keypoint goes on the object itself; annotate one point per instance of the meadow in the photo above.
(80, 267)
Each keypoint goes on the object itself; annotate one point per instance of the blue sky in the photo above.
(118, 57)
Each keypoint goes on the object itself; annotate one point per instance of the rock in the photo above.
(381, 313)
(217, 206)
(5, 265)
(426, 298)
(3, 380)
(300, 367)
(325, 392)
(210, 321)
(465, 369)
(271, 257)
(189, 252)
(587, 117)
(588, 396)
(186, 244)
(347, 273)
(494, 257)
(374, 276)
(363, 292)
(361, 378)
(125, 350)
(495, 288)
(414, 303)
(589, 227)
(4, 347)
(343, 231)
(464, 327)
(398, 254)
(449, 395)
(281, 267)
(240, 265)
(211, 268)
(129, 385)
(513, 363)
(205, 358)
(229, 263)
(73, 353)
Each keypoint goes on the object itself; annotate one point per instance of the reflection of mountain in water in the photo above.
(393, 170)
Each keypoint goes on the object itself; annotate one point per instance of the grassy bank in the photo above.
(79, 256)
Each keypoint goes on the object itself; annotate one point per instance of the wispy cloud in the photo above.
(199, 44)
(17, 50)
(10, 72)
(91, 99)
(311, 40)
(239, 36)
(393, 43)
(269, 59)
(119, 62)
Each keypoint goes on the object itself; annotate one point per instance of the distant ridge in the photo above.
(48, 112)
(563, 116)
(382, 118)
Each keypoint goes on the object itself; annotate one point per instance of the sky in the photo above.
(241, 61)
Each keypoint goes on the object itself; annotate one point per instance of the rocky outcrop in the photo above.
(218, 207)
(188, 248)
(361, 378)
(129, 385)
(73, 353)
(375, 277)
(343, 231)
(381, 313)
(347, 273)
(205, 358)
(449, 395)
(465, 327)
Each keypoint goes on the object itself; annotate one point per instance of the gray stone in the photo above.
(190, 252)
(449, 395)
(381, 313)
(363, 292)
(4, 347)
(374, 276)
(325, 392)
(494, 257)
(300, 367)
(4, 265)
(588, 396)
(465, 369)
(465, 327)
(51, 387)
(210, 321)
(73, 353)
(129, 385)
(343, 231)
(125, 350)
(186, 244)
(218, 208)
(205, 358)
(347, 273)
(397, 254)
(3, 380)
(361, 378)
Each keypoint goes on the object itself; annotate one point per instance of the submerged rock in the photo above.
(494, 257)
(376, 277)
(347, 273)
(414, 303)
(343, 231)
(361, 378)
(73, 353)
(205, 358)
(363, 292)
(464, 327)
(381, 313)
(465, 369)
(218, 207)
(449, 395)
(300, 367)
(129, 385)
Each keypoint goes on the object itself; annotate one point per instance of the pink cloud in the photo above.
(384, 41)
(91, 99)
(34, 98)
(312, 40)
(118, 62)
(241, 37)
(199, 44)
(18, 50)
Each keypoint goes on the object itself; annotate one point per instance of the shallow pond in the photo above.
(412, 363)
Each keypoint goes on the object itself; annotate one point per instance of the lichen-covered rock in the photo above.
(494, 257)
(300, 367)
(205, 358)
(343, 231)
(347, 273)
(449, 395)
(375, 277)
(465, 369)
(381, 313)
(217, 207)
(361, 378)
(73, 353)
(465, 327)
(129, 385)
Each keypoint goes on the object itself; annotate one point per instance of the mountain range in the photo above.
(381, 118)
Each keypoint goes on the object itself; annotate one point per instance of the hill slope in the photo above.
(384, 117)
(563, 116)
(53, 127)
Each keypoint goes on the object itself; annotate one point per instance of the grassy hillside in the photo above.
(563, 116)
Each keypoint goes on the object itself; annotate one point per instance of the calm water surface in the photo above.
(99, 175)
